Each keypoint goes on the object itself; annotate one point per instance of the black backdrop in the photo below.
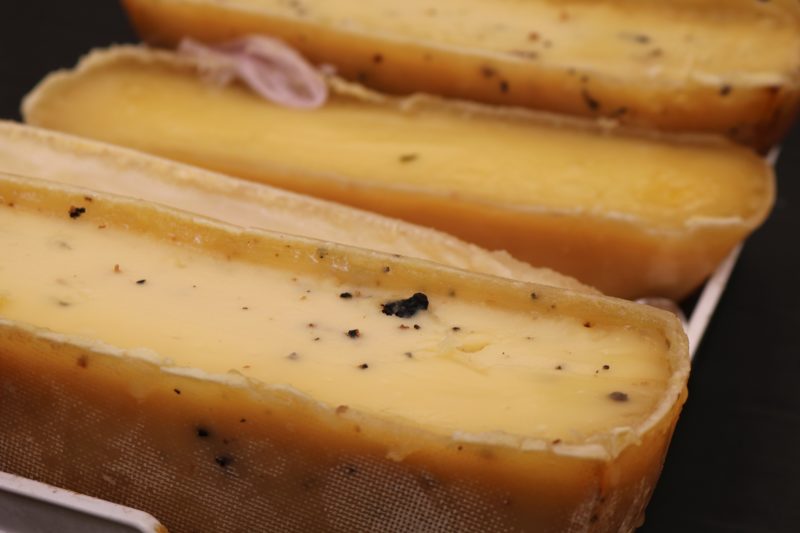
(734, 463)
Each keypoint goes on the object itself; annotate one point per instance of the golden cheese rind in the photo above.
(633, 215)
(226, 453)
(721, 66)
(33, 152)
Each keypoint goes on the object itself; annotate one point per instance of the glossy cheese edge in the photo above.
(615, 252)
(34, 152)
(756, 111)
(57, 390)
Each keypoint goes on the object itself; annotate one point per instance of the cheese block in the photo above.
(634, 216)
(230, 379)
(29, 151)
(725, 66)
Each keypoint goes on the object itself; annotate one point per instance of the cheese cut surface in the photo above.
(484, 368)
(731, 67)
(529, 387)
(29, 151)
(634, 216)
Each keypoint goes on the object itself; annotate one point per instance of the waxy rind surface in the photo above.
(124, 425)
(667, 77)
(623, 251)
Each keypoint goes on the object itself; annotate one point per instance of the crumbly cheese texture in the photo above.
(457, 366)
(28, 151)
(631, 215)
(730, 67)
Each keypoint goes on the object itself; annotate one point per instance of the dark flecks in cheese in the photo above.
(587, 324)
(202, 432)
(242, 420)
(293, 356)
(592, 103)
(606, 367)
(342, 409)
(316, 339)
(402, 326)
(618, 396)
(408, 158)
(76, 212)
(488, 72)
(363, 366)
(312, 325)
(352, 333)
(417, 326)
(409, 355)
(63, 303)
(504, 86)
(177, 391)
(345, 295)
(322, 253)
(406, 308)
(725, 90)
(377, 59)
(82, 361)
(387, 269)
(223, 460)
(245, 308)
(559, 367)
(141, 281)
(456, 328)
(534, 296)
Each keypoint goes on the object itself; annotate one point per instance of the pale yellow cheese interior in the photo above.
(705, 42)
(538, 374)
(27, 151)
(449, 151)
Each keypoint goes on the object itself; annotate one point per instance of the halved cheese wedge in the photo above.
(226, 379)
(724, 66)
(633, 216)
(29, 151)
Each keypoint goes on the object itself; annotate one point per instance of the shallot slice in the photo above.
(268, 66)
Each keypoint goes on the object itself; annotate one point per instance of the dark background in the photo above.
(734, 463)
